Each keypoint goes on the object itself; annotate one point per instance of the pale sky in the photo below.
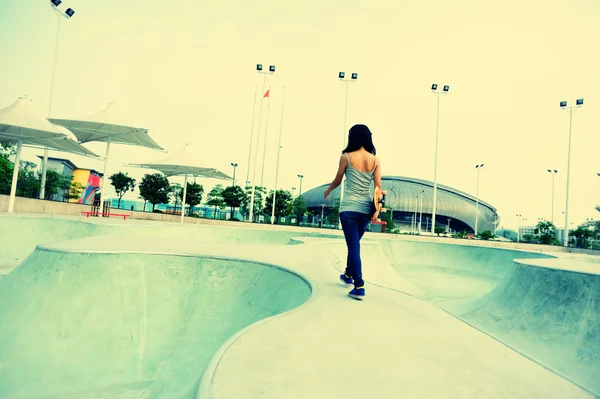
(186, 71)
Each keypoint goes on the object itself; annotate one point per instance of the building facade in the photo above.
(409, 200)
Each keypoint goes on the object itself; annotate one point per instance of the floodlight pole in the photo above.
(262, 169)
(570, 111)
(278, 153)
(344, 135)
(251, 213)
(15, 176)
(45, 160)
(251, 136)
(553, 172)
(437, 94)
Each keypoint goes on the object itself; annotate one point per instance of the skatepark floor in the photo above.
(210, 312)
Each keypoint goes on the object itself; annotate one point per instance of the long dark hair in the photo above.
(360, 136)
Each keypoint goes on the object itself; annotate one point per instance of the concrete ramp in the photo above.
(546, 308)
(551, 315)
(77, 325)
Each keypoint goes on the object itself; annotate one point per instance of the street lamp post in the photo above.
(67, 14)
(448, 230)
(437, 94)
(478, 167)
(293, 191)
(421, 211)
(563, 105)
(553, 172)
(353, 77)
(235, 165)
(416, 210)
(259, 69)
(519, 227)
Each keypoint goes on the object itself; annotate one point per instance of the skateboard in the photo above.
(379, 201)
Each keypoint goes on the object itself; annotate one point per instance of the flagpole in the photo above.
(251, 136)
(251, 216)
(262, 171)
(278, 152)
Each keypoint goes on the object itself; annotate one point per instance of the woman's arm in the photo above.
(343, 164)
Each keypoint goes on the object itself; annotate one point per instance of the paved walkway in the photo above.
(391, 345)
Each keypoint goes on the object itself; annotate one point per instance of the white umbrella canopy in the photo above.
(22, 124)
(183, 163)
(110, 125)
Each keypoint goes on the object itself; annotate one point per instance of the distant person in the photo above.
(360, 166)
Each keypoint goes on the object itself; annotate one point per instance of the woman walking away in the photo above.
(360, 167)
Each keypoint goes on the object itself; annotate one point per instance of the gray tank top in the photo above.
(358, 189)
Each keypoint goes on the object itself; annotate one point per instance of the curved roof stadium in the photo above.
(402, 195)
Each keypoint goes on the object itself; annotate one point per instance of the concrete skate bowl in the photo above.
(551, 316)
(19, 235)
(85, 325)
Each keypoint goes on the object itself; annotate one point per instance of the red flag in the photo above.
(267, 94)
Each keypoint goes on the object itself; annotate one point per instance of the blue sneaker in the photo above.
(346, 280)
(357, 293)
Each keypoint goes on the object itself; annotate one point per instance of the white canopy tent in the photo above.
(21, 123)
(183, 163)
(110, 126)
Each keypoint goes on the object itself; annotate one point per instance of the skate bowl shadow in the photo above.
(89, 325)
(551, 316)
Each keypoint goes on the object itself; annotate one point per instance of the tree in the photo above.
(259, 193)
(283, 204)
(439, 230)
(387, 218)
(56, 183)
(28, 185)
(235, 197)
(546, 233)
(155, 189)
(6, 171)
(333, 216)
(299, 208)
(581, 236)
(122, 183)
(486, 235)
(176, 194)
(193, 195)
(74, 192)
(215, 198)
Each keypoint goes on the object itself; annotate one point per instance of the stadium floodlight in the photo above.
(354, 77)
(563, 105)
(259, 69)
(68, 14)
(437, 125)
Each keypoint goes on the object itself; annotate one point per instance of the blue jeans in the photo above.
(354, 225)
